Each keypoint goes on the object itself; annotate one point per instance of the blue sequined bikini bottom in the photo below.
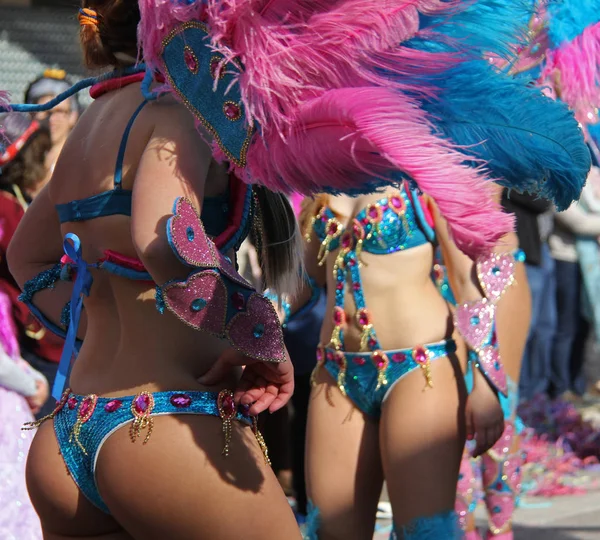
(83, 424)
(368, 378)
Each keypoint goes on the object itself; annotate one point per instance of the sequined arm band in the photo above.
(214, 298)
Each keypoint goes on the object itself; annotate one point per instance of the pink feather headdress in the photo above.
(335, 95)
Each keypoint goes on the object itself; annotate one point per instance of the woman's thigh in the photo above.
(343, 466)
(180, 485)
(422, 440)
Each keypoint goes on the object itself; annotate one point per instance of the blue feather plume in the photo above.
(486, 26)
(569, 18)
(530, 143)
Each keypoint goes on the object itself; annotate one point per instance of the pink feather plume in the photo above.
(349, 136)
(574, 71)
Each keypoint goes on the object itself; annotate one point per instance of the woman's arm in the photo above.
(37, 247)
(575, 220)
(174, 164)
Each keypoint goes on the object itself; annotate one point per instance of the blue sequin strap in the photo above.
(44, 280)
(81, 287)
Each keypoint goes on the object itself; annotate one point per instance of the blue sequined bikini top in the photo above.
(117, 201)
(391, 224)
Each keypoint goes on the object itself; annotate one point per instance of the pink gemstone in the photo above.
(324, 218)
(340, 359)
(373, 212)
(359, 361)
(190, 60)
(356, 286)
(339, 286)
(232, 110)
(72, 402)
(329, 356)
(364, 221)
(352, 262)
(372, 343)
(85, 407)
(141, 403)
(181, 401)
(346, 240)
(215, 67)
(338, 316)
(319, 355)
(398, 357)
(397, 202)
(363, 318)
(384, 206)
(113, 405)
(380, 363)
(420, 356)
(238, 301)
(494, 340)
(228, 405)
(333, 228)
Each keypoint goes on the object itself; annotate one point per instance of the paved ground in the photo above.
(563, 518)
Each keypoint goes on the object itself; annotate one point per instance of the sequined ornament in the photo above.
(318, 366)
(340, 360)
(474, 321)
(398, 205)
(141, 408)
(489, 362)
(226, 406)
(381, 362)
(496, 274)
(261, 440)
(374, 215)
(363, 319)
(59, 405)
(339, 323)
(333, 230)
(359, 235)
(84, 413)
(190, 59)
(501, 475)
(423, 358)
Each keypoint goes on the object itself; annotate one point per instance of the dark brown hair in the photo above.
(277, 240)
(27, 169)
(115, 32)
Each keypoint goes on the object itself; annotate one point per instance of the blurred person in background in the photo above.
(61, 119)
(41, 348)
(533, 219)
(578, 224)
(23, 390)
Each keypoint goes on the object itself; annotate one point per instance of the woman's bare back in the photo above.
(145, 348)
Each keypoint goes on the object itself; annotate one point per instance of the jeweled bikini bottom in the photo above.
(368, 378)
(83, 424)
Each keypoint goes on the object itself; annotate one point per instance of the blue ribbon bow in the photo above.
(81, 287)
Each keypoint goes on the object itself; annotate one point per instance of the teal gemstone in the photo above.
(496, 510)
(475, 320)
(190, 234)
(199, 304)
(520, 256)
(259, 331)
(496, 270)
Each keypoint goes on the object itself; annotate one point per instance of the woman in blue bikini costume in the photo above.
(294, 95)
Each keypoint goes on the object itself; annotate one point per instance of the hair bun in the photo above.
(58, 74)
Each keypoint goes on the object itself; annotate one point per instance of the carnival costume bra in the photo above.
(391, 224)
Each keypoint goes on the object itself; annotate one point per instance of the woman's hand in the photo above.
(36, 402)
(264, 385)
(485, 420)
